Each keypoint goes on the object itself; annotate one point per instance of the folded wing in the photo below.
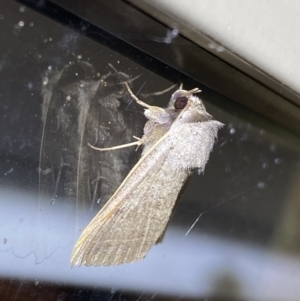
(137, 214)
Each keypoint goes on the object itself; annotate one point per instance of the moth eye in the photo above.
(180, 103)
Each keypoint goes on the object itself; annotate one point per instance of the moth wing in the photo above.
(199, 139)
(136, 215)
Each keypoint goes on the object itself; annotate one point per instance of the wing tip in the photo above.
(104, 260)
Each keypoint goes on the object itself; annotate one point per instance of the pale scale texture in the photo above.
(137, 214)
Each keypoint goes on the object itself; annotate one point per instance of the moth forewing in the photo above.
(177, 139)
(126, 228)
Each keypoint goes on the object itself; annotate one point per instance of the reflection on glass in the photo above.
(233, 234)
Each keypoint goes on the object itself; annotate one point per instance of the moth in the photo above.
(177, 140)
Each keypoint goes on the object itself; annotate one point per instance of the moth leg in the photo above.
(136, 99)
(138, 143)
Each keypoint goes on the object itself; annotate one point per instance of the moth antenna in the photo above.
(129, 80)
(118, 72)
(194, 91)
(161, 92)
(113, 68)
(135, 98)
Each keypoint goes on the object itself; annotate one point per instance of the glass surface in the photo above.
(234, 233)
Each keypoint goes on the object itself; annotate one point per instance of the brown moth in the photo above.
(176, 140)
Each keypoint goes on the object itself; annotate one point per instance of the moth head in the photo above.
(188, 106)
